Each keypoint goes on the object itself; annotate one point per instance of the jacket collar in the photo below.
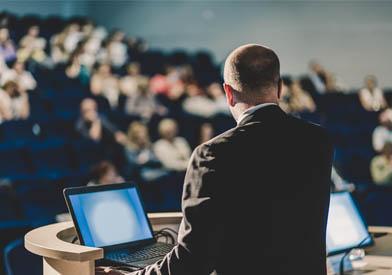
(264, 113)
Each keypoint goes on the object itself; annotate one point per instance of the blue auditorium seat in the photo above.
(51, 159)
(17, 131)
(18, 261)
(9, 231)
(41, 200)
(14, 163)
(57, 128)
(87, 154)
(66, 107)
(39, 107)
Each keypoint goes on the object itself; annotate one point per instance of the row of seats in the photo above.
(50, 158)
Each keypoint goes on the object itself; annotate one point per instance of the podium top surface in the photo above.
(54, 241)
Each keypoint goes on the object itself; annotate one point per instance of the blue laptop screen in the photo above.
(346, 228)
(110, 217)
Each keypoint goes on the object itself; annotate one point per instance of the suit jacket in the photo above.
(255, 201)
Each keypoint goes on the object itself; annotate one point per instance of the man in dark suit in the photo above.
(255, 198)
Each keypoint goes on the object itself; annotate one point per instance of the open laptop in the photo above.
(113, 217)
(346, 228)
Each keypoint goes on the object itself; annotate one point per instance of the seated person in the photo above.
(75, 70)
(143, 103)
(96, 127)
(139, 154)
(372, 97)
(207, 132)
(114, 51)
(18, 74)
(315, 81)
(172, 151)
(383, 132)
(7, 48)
(104, 173)
(104, 83)
(381, 166)
(198, 103)
(216, 93)
(129, 84)
(14, 104)
(31, 46)
(295, 99)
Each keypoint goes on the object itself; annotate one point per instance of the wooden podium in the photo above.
(61, 256)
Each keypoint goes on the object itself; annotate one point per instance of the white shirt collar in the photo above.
(253, 109)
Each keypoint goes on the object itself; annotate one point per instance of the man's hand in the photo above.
(102, 270)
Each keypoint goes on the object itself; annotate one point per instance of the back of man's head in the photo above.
(252, 70)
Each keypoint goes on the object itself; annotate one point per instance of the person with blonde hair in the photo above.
(139, 154)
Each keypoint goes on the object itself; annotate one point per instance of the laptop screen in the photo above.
(345, 229)
(110, 217)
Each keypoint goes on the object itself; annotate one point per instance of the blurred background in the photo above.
(98, 92)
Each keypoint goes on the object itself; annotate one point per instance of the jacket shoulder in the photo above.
(313, 131)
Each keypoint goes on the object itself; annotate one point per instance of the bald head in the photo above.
(252, 69)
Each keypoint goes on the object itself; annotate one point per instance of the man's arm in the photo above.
(195, 251)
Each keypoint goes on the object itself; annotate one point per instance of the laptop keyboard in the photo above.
(145, 253)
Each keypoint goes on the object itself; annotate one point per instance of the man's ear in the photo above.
(280, 87)
(229, 94)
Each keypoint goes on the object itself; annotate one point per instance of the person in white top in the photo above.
(18, 74)
(115, 52)
(205, 104)
(383, 133)
(171, 150)
(372, 97)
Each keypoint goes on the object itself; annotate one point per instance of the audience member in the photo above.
(89, 49)
(295, 99)
(104, 83)
(371, 96)
(115, 50)
(332, 85)
(104, 173)
(140, 155)
(20, 75)
(129, 84)
(216, 93)
(31, 46)
(199, 103)
(383, 133)
(76, 70)
(143, 103)
(95, 126)
(381, 166)
(315, 81)
(14, 104)
(206, 132)
(172, 151)
(7, 48)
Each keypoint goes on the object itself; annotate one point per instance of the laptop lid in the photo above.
(346, 228)
(109, 216)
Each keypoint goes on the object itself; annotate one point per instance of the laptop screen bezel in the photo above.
(359, 212)
(101, 188)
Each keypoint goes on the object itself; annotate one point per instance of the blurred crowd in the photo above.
(115, 69)
(104, 71)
